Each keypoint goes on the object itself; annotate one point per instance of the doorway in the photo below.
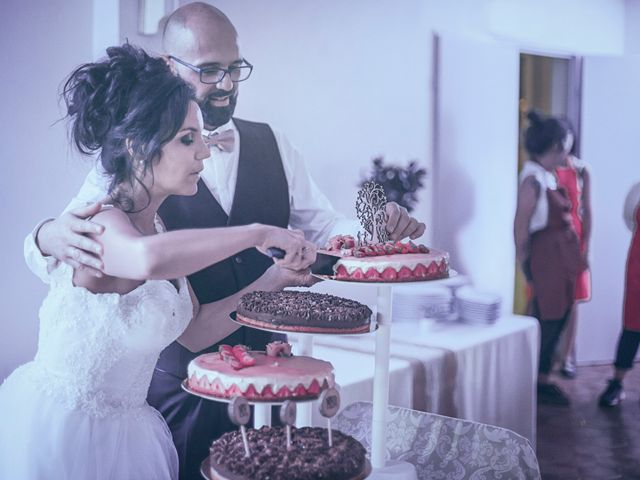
(552, 86)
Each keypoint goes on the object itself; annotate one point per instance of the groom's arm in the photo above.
(63, 238)
(313, 213)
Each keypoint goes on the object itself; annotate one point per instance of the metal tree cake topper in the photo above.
(370, 209)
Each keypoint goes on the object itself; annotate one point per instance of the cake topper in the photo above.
(370, 209)
(329, 406)
(240, 413)
(288, 417)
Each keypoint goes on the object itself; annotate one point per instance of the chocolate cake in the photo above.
(303, 312)
(309, 458)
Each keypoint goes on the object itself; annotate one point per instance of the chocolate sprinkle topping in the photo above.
(304, 309)
(310, 457)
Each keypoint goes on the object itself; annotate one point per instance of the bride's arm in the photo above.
(211, 322)
(128, 254)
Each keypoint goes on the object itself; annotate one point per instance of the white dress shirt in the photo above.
(311, 210)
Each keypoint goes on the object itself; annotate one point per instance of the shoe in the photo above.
(550, 394)
(613, 394)
(569, 371)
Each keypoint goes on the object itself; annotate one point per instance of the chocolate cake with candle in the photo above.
(309, 458)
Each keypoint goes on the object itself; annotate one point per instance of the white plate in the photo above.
(373, 326)
(331, 278)
(472, 295)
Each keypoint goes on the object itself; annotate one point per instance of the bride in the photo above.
(78, 410)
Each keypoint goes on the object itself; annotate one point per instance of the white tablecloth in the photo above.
(482, 373)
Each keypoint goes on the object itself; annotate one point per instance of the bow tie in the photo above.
(224, 141)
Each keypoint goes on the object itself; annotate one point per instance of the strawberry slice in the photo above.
(233, 361)
(389, 274)
(389, 249)
(357, 274)
(349, 241)
(314, 388)
(420, 271)
(432, 269)
(404, 273)
(341, 272)
(372, 274)
(442, 267)
(243, 356)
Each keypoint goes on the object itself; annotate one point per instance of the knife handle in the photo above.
(276, 252)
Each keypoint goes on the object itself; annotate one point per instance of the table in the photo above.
(482, 373)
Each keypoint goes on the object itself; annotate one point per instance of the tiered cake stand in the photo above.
(262, 410)
(381, 370)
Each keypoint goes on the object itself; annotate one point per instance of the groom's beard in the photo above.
(216, 116)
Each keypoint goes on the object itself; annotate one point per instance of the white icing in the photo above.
(268, 371)
(396, 261)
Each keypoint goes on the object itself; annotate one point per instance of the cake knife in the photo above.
(322, 266)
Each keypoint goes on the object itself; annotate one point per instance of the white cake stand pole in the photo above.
(305, 347)
(381, 377)
(261, 415)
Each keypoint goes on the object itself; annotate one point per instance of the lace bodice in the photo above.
(97, 352)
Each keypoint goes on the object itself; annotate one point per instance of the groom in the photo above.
(253, 175)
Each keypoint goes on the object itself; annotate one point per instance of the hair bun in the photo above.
(534, 117)
(97, 94)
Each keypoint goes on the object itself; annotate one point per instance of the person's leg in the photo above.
(568, 345)
(625, 354)
(549, 334)
(550, 331)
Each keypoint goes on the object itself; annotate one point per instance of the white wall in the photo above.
(632, 30)
(40, 43)
(476, 164)
(317, 78)
(609, 144)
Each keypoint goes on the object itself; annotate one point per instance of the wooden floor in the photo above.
(585, 441)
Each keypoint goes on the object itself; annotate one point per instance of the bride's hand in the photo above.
(278, 278)
(299, 253)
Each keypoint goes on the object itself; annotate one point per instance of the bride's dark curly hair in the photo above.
(127, 106)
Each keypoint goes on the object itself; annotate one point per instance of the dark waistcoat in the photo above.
(261, 195)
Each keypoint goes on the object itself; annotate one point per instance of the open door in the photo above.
(475, 158)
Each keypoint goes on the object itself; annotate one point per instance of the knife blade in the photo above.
(322, 266)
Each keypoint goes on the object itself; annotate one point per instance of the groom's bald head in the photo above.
(199, 36)
(196, 27)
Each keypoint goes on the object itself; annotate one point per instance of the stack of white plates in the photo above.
(412, 303)
(477, 306)
(454, 282)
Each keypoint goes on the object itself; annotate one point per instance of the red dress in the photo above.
(568, 179)
(632, 285)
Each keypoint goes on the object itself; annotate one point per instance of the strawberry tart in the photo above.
(386, 262)
(273, 375)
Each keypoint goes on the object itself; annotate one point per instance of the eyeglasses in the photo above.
(213, 75)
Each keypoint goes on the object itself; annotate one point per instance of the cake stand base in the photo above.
(394, 470)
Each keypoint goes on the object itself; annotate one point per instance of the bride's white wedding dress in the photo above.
(79, 410)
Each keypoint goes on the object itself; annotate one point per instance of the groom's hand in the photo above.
(280, 277)
(65, 238)
(400, 224)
